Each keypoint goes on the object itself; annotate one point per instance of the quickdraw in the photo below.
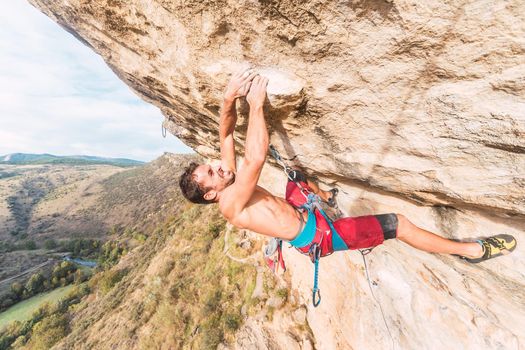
(315, 254)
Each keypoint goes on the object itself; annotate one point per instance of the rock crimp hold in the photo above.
(285, 91)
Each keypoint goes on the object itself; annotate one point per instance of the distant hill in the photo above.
(24, 158)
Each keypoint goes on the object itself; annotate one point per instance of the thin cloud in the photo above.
(57, 96)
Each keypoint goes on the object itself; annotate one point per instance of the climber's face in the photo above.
(214, 178)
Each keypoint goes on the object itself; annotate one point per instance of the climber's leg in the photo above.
(432, 243)
(324, 195)
(297, 175)
(329, 197)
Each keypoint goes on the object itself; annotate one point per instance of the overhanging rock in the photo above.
(401, 103)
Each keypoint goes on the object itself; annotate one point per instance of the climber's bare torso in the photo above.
(264, 213)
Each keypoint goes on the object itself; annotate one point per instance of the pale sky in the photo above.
(58, 96)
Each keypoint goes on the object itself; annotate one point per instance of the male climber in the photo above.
(246, 205)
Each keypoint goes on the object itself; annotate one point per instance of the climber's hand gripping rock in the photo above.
(257, 94)
(239, 84)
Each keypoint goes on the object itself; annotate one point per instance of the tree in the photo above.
(55, 281)
(18, 289)
(6, 302)
(63, 269)
(77, 247)
(35, 284)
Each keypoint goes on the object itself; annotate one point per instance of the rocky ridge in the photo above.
(411, 107)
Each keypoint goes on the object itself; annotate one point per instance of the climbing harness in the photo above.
(312, 203)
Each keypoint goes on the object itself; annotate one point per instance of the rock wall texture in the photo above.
(414, 107)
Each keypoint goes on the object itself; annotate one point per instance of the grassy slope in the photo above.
(23, 310)
(180, 291)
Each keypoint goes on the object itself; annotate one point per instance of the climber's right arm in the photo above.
(238, 86)
(240, 192)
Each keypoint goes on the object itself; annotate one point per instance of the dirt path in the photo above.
(9, 279)
(250, 260)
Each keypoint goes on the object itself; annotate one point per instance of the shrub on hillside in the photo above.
(140, 237)
(106, 280)
(213, 302)
(215, 228)
(232, 321)
(50, 244)
(29, 245)
(6, 247)
(48, 332)
(9, 334)
(212, 333)
(110, 254)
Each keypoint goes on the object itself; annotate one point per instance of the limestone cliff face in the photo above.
(413, 107)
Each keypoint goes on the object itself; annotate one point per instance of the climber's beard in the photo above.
(231, 179)
(227, 177)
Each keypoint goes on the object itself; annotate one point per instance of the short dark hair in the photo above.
(190, 188)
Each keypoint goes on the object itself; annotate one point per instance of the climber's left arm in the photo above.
(238, 86)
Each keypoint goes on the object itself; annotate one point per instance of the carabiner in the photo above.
(318, 294)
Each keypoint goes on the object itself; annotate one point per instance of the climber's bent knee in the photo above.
(404, 227)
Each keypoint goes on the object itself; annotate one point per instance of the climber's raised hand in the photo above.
(257, 94)
(239, 84)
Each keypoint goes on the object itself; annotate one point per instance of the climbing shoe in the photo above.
(494, 246)
(332, 203)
